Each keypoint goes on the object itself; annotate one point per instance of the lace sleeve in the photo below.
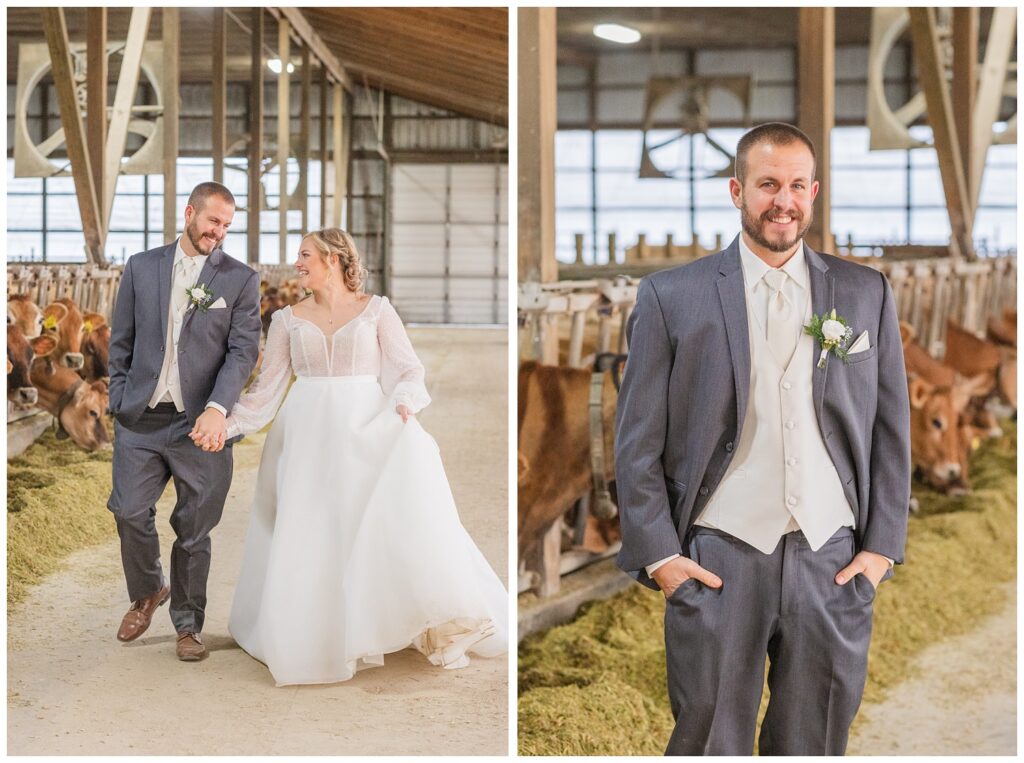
(401, 371)
(257, 405)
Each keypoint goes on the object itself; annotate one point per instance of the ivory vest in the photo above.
(781, 477)
(168, 388)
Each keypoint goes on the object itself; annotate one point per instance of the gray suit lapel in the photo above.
(823, 299)
(206, 276)
(732, 293)
(165, 276)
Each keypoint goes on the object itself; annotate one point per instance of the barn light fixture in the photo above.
(275, 66)
(617, 33)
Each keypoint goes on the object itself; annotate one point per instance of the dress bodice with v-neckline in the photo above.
(372, 343)
(349, 322)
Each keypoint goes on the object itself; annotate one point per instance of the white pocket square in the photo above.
(860, 344)
(218, 304)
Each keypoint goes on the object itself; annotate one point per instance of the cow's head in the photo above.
(64, 320)
(19, 363)
(83, 417)
(95, 347)
(25, 314)
(940, 441)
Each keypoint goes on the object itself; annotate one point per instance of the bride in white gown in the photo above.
(354, 547)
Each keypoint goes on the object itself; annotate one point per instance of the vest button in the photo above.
(728, 447)
(703, 490)
(791, 461)
(791, 501)
(790, 425)
(156, 376)
(786, 385)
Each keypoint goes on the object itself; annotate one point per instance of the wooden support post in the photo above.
(96, 100)
(536, 150)
(312, 40)
(544, 559)
(340, 159)
(930, 68)
(324, 153)
(965, 79)
(172, 75)
(124, 97)
(604, 332)
(817, 110)
(989, 97)
(623, 348)
(255, 139)
(220, 93)
(284, 118)
(305, 118)
(579, 326)
(56, 30)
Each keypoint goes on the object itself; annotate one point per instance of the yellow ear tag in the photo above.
(50, 323)
(87, 327)
(975, 443)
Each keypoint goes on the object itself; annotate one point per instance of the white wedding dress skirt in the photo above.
(355, 548)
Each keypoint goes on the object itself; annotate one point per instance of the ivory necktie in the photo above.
(782, 320)
(185, 281)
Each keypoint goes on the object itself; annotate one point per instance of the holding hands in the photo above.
(404, 412)
(210, 431)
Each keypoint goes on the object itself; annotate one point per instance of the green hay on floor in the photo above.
(596, 686)
(619, 717)
(56, 505)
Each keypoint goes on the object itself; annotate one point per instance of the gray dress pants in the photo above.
(154, 450)
(787, 606)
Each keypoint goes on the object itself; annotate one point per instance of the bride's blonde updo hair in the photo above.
(338, 242)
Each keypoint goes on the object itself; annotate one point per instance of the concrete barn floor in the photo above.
(74, 689)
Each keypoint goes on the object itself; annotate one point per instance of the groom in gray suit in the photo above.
(184, 339)
(764, 482)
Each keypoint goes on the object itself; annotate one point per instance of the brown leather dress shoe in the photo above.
(190, 647)
(137, 619)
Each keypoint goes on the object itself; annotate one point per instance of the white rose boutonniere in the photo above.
(199, 297)
(832, 333)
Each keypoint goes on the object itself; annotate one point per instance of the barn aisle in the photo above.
(961, 700)
(73, 689)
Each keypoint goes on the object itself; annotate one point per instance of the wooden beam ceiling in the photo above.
(450, 58)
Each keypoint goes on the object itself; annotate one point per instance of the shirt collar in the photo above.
(754, 267)
(179, 254)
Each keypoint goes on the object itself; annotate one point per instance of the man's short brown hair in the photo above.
(776, 133)
(204, 191)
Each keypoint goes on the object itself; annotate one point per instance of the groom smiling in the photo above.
(764, 493)
(184, 339)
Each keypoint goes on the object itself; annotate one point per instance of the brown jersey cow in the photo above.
(95, 348)
(942, 425)
(79, 407)
(63, 319)
(20, 351)
(554, 445)
(25, 314)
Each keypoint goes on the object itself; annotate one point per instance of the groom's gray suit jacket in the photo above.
(685, 390)
(217, 349)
